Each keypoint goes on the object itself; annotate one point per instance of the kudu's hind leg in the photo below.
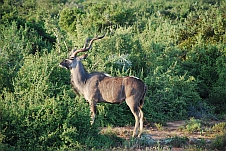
(135, 131)
(135, 110)
(92, 112)
(141, 117)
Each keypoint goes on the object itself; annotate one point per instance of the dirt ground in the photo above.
(168, 130)
(175, 129)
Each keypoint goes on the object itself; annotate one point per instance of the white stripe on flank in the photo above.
(134, 77)
(108, 75)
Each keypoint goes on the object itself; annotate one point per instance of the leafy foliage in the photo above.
(219, 142)
(176, 47)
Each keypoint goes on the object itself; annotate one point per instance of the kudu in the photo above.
(99, 87)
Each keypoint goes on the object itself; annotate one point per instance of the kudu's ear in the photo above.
(82, 57)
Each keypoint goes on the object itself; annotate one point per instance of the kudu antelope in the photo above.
(99, 87)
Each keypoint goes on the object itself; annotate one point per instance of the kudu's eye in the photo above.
(71, 58)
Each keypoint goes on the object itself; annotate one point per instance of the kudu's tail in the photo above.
(142, 98)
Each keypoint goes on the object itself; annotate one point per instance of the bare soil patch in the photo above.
(163, 133)
(169, 130)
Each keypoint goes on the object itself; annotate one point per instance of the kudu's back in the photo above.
(115, 89)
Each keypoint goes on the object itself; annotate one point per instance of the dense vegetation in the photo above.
(177, 47)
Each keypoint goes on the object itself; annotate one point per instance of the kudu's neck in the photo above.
(79, 76)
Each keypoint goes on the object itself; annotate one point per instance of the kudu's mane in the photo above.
(75, 88)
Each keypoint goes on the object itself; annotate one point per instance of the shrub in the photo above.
(193, 125)
(37, 118)
(16, 43)
(219, 127)
(178, 142)
(177, 48)
(170, 93)
(219, 142)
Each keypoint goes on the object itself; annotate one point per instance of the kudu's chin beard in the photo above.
(63, 65)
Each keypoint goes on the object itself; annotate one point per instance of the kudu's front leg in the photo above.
(92, 111)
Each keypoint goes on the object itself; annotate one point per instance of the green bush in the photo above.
(219, 127)
(206, 65)
(192, 125)
(219, 142)
(176, 47)
(170, 95)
